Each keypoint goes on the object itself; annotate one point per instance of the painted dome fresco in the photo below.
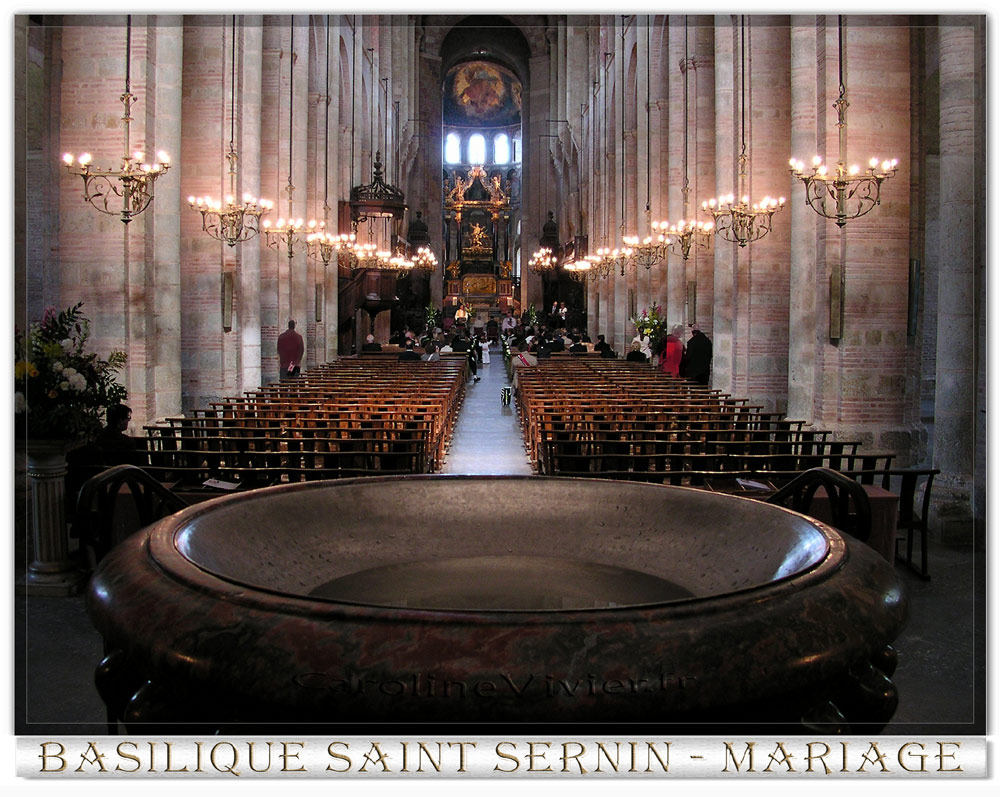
(481, 93)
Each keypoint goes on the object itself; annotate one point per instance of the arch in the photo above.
(487, 38)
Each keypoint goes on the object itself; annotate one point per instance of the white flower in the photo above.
(57, 366)
(67, 344)
(78, 382)
(64, 385)
(19, 403)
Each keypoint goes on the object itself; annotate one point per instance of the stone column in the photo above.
(806, 287)
(725, 257)
(205, 139)
(273, 180)
(51, 571)
(674, 285)
(161, 298)
(247, 315)
(764, 265)
(331, 317)
(702, 159)
(298, 277)
(962, 251)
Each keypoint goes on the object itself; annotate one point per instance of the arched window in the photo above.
(477, 149)
(452, 148)
(517, 149)
(501, 148)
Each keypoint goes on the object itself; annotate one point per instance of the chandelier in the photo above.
(322, 245)
(850, 192)
(542, 261)
(286, 232)
(133, 182)
(424, 260)
(645, 252)
(682, 237)
(232, 222)
(739, 221)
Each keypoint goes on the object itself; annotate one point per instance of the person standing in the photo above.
(484, 348)
(508, 324)
(291, 347)
(698, 365)
(673, 352)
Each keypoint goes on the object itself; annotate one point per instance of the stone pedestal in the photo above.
(51, 571)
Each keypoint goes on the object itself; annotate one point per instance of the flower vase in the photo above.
(51, 572)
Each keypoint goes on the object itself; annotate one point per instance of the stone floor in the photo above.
(940, 678)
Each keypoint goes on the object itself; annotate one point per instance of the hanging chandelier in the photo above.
(232, 222)
(850, 192)
(286, 232)
(736, 219)
(682, 237)
(542, 261)
(424, 260)
(578, 270)
(323, 246)
(133, 182)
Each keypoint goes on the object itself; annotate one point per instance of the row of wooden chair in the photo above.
(611, 419)
(342, 419)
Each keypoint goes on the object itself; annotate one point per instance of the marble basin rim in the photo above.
(211, 607)
(628, 530)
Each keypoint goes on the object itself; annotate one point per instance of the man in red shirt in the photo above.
(290, 350)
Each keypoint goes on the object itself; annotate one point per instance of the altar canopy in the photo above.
(477, 224)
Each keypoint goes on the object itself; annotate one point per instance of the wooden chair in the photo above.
(849, 504)
(116, 503)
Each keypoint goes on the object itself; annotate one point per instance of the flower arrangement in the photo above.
(432, 317)
(530, 316)
(62, 390)
(651, 322)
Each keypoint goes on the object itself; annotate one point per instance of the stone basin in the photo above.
(478, 601)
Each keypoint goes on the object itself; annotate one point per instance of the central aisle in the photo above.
(487, 438)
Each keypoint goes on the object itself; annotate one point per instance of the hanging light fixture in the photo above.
(232, 222)
(133, 182)
(286, 232)
(542, 261)
(850, 193)
(681, 237)
(377, 199)
(424, 260)
(734, 217)
(647, 251)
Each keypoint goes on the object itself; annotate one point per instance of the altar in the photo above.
(477, 246)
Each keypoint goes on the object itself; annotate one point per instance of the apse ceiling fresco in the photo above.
(483, 94)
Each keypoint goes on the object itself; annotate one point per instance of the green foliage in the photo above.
(61, 390)
(651, 322)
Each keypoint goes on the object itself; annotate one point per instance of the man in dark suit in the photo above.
(409, 354)
(371, 345)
